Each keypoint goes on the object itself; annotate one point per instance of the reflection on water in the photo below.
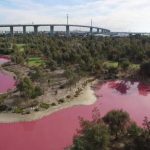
(124, 87)
(143, 89)
(57, 130)
(120, 86)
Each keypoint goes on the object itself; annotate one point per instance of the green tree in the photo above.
(118, 121)
(140, 141)
(25, 87)
(93, 135)
(145, 69)
(28, 90)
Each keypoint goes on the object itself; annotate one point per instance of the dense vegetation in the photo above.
(88, 54)
(103, 57)
(115, 131)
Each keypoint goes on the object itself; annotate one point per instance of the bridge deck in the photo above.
(71, 25)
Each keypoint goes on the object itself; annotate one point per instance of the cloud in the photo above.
(117, 15)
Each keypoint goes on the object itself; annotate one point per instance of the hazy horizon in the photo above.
(116, 15)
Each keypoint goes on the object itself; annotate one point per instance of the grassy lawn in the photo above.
(110, 64)
(35, 61)
(134, 66)
(20, 47)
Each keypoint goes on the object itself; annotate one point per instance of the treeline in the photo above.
(88, 54)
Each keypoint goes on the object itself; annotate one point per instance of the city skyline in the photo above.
(116, 15)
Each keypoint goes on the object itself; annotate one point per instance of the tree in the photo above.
(71, 76)
(124, 64)
(118, 121)
(36, 74)
(93, 135)
(28, 90)
(140, 141)
(25, 87)
(145, 69)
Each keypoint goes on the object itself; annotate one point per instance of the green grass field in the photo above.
(110, 64)
(35, 61)
(20, 47)
(134, 66)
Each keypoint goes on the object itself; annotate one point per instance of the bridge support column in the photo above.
(51, 30)
(12, 31)
(91, 30)
(35, 30)
(67, 30)
(97, 30)
(24, 30)
(103, 31)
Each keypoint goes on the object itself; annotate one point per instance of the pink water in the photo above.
(4, 59)
(56, 131)
(7, 82)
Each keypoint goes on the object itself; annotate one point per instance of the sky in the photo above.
(116, 15)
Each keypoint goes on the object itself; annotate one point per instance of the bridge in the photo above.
(52, 27)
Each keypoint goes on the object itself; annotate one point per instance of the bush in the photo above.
(134, 130)
(18, 110)
(52, 64)
(117, 121)
(36, 109)
(145, 69)
(124, 64)
(25, 87)
(28, 90)
(68, 96)
(36, 74)
(3, 108)
(3, 97)
(37, 92)
(44, 105)
(92, 136)
(53, 104)
(61, 101)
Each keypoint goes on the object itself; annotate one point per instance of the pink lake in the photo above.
(4, 59)
(56, 131)
(7, 81)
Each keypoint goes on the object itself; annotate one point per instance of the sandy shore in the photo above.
(87, 97)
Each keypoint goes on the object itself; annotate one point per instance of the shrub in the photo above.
(3, 107)
(117, 121)
(28, 90)
(145, 69)
(68, 96)
(124, 64)
(61, 101)
(3, 97)
(44, 105)
(36, 109)
(53, 104)
(92, 136)
(18, 110)
(37, 92)
(134, 130)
